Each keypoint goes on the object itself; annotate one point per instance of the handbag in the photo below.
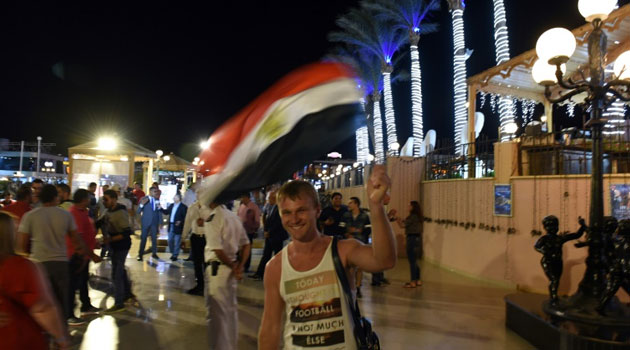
(365, 337)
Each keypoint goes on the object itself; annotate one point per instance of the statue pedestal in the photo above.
(525, 316)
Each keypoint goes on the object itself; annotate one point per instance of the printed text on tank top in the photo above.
(317, 315)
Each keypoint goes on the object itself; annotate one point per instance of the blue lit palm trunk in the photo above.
(459, 68)
(502, 53)
(390, 118)
(379, 151)
(416, 96)
(363, 150)
(615, 114)
(362, 139)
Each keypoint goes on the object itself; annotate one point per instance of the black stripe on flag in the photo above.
(315, 134)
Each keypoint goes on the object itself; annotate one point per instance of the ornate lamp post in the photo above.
(554, 48)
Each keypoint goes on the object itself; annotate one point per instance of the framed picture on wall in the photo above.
(620, 201)
(503, 200)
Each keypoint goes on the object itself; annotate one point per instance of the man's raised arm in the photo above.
(382, 254)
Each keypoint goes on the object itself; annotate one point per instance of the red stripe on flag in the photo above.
(227, 137)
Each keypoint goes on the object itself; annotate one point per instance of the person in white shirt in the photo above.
(176, 213)
(225, 238)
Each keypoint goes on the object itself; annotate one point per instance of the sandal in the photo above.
(410, 285)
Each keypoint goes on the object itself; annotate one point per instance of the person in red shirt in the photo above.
(27, 305)
(7, 199)
(138, 192)
(79, 272)
(21, 205)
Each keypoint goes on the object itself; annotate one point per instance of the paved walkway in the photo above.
(448, 312)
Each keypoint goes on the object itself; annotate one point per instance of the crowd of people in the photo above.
(57, 232)
(48, 238)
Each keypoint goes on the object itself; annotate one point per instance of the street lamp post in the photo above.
(554, 48)
(159, 154)
(39, 148)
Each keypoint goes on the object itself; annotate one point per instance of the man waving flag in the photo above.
(302, 116)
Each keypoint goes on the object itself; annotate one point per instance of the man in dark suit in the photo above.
(150, 211)
(176, 213)
(275, 235)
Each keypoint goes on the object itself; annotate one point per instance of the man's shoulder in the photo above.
(273, 269)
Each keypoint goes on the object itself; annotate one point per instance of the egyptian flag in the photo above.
(304, 115)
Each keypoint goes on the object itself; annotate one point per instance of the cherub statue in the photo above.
(550, 245)
(619, 273)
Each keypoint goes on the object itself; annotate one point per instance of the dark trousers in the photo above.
(105, 250)
(378, 277)
(414, 242)
(272, 247)
(79, 275)
(197, 246)
(59, 277)
(249, 259)
(122, 285)
(146, 231)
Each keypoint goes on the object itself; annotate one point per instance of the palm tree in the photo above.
(368, 70)
(376, 36)
(409, 15)
(459, 66)
(502, 53)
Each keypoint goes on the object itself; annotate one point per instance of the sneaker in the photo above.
(74, 321)
(155, 256)
(114, 309)
(139, 258)
(376, 284)
(90, 310)
(359, 295)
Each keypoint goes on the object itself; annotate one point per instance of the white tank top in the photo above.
(316, 310)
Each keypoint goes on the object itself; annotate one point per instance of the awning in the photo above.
(514, 77)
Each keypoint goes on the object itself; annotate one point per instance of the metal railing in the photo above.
(569, 152)
(450, 162)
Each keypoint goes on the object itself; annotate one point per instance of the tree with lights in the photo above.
(409, 15)
(377, 36)
(459, 66)
(502, 53)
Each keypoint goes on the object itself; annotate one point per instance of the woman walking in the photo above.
(413, 233)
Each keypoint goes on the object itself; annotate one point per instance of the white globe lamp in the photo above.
(545, 74)
(596, 9)
(622, 66)
(556, 45)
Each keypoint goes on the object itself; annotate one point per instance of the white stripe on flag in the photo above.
(283, 114)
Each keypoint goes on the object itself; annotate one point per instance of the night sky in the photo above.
(165, 75)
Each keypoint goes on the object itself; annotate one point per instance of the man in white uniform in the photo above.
(196, 215)
(225, 238)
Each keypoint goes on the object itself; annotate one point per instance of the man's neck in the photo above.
(356, 211)
(51, 204)
(336, 207)
(309, 245)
